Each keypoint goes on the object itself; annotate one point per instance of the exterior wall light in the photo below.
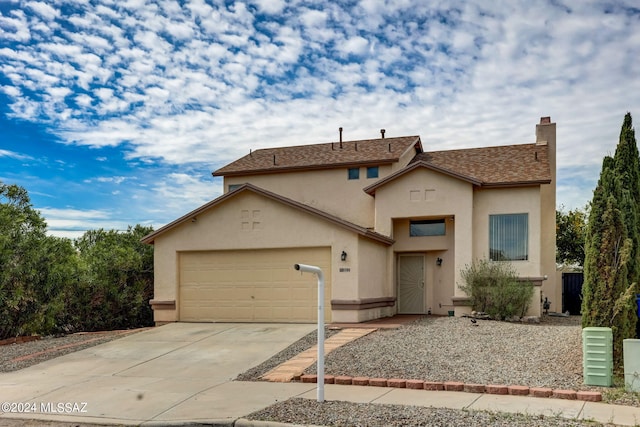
(343, 256)
(438, 261)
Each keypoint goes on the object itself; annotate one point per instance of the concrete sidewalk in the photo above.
(572, 409)
(183, 373)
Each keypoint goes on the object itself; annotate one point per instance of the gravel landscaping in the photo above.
(344, 414)
(455, 349)
(548, 354)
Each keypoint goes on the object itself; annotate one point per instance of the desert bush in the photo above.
(494, 288)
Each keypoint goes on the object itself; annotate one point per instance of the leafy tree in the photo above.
(611, 257)
(117, 281)
(35, 267)
(570, 236)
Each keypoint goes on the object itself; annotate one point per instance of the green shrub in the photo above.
(494, 288)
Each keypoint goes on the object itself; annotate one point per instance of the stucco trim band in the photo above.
(162, 305)
(363, 304)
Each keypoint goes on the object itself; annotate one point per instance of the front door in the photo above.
(410, 284)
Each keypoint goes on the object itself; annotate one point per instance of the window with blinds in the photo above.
(509, 237)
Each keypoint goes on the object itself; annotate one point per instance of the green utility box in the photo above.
(631, 350)
(597, 356)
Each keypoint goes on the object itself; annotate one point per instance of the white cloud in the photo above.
(73, 223)
(272, 7)
(44, 10)
(14, 155)
(206, 82)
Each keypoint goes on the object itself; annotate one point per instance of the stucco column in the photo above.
(463, 239)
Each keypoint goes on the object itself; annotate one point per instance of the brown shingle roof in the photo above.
(508, 165)
(321, 156)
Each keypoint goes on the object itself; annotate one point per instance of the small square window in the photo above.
(427, 227)
(372, 172)
(354, 173)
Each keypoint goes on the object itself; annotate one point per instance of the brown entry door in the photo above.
(411, 284)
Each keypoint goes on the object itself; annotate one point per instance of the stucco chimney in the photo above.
(546, 135)
(546, 139)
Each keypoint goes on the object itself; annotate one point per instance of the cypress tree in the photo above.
(612, 257)
(627, 168)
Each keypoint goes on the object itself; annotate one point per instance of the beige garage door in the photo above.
(252, 285)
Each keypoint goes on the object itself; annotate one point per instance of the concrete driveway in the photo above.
(180, 372)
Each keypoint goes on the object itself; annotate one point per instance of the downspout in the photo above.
(320, 368)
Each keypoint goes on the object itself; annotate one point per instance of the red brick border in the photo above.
(433, 385)
(415, 384)
(396, 383)
(565, 394)
(309, 378)
(344, 380)
(514, 390)
(474, 388)
(360, 380)
(378, 382)
(497, 389)
(453, 386)
(540, 392)
(518, 390)
(589, 396)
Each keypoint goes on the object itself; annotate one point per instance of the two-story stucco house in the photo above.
(392, 226)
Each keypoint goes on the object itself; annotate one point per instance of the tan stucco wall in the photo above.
(546, 135)
(372, 270)
(439, 279)
(230, 225)
(329, 190)
(508, 201)
(423, 193)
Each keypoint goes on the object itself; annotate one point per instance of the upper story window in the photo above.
(509, 237)
(354, 173)
(427, 227)
(234, 186)
(372, 172)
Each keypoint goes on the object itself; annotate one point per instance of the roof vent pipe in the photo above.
(340, 130)
(389, 147)
(382, 131)
(274, 159)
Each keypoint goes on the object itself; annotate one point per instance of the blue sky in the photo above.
(115, 112)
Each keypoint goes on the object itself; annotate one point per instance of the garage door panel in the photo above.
(252, 286)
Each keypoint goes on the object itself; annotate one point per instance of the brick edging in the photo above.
(514, 390)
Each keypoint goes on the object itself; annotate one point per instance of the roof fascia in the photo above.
(371, 189)
(304, 168)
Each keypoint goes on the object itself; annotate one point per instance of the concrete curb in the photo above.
(514, 390)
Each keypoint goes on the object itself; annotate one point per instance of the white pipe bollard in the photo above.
(320, 366)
